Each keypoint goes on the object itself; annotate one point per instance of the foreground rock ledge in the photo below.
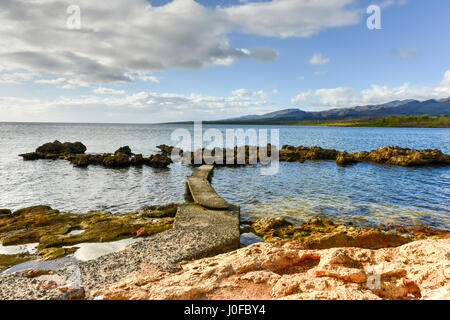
(417, 270)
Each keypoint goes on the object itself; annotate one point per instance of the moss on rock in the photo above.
(52, 229)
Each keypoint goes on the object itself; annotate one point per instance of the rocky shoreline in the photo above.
(191, 250)
(318, 259)
(56, 234)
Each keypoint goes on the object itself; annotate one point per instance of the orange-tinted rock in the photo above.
(47, 284)
(417, 270)
(141, 232)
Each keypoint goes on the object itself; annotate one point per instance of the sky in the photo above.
(138, 61)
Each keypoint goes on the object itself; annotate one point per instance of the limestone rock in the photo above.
(417, 270)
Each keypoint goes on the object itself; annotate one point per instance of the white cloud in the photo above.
(149, 78)
(16, 77)
(142, 107)
(291, 18)
(246, 93)
(64, 83)
(121, 37)
(342, 97)
(318, 59)
(108, 91)
(405, 53)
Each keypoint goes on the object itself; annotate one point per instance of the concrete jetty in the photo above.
(199, 189)
(206, 227)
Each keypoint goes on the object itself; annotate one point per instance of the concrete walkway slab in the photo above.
(201, 191)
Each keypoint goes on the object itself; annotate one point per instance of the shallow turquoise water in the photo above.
(363, 193)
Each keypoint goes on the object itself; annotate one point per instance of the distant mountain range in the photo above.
(398, 107)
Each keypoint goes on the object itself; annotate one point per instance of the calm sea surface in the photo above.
(364, 194)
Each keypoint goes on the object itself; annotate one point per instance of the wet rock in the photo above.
(343, 159)
(31, 156)
(5, 212)
(119, 160)
(124, 150)
(286, 230)
(394, 155)
(55, 150)
(81, 160)
(263, 225)
(137, 160)
(51, 229)
(250, 238)
(160, 211)
(159, 161)
(169, 150)
(7, 260)
(57, 147)
(54, 253)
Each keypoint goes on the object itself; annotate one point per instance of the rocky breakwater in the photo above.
(244, 155)
(56, 234)
(75, 153)
(389, 155)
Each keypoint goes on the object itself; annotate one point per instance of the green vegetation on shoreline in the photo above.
(416, 121)
(395, 121)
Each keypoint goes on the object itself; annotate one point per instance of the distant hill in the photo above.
(401, 108)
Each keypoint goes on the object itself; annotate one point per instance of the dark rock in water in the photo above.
(31, 156)
(124, 150)
(57, 147)
(137, 160)
(250, 238)
(395, 155)
(119, 160)
(159, 161)
(343, 159)
(5, 212)
(55, 150)
(81, 160)
(168, 150)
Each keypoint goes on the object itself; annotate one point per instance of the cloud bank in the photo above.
(118, 38)
(342, 97)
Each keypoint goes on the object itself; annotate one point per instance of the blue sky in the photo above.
(185, 60)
